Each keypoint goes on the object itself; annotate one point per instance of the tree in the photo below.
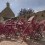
(26, 13)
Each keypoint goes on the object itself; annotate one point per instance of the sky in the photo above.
(16, 5)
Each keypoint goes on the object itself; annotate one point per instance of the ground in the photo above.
(12, 43)
(19, 43)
